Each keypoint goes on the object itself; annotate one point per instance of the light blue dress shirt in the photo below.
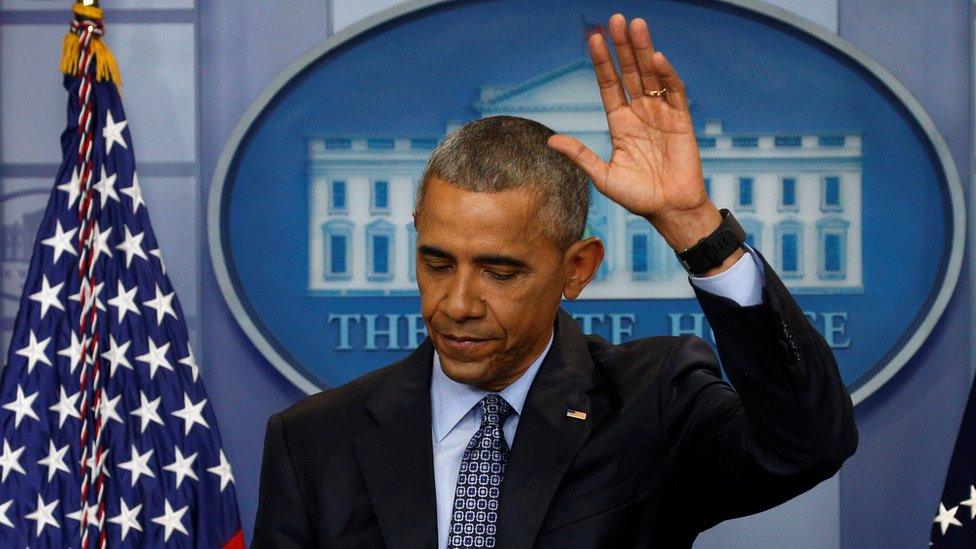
(456, 416)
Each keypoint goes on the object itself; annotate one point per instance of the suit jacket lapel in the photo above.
(396, 457)
(547, 440)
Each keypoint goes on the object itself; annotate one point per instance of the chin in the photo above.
(467, 373)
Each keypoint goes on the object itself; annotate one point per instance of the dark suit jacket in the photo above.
(667, 450)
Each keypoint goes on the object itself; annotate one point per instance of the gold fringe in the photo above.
(69, 54)
(106, 67)
(90, 12)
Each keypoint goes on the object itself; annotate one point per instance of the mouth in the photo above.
(463, 343)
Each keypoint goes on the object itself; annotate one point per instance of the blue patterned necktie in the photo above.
(479, 479)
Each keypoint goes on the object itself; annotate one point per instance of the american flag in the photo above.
(108, 437)
(955, 521)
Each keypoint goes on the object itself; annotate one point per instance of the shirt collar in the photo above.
(450, 401)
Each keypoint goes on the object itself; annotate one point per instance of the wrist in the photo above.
(683, 229)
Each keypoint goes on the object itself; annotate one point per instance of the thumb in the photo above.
(579, 154)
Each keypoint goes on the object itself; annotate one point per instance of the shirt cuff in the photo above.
(742, 282)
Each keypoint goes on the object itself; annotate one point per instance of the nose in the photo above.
(463, 299)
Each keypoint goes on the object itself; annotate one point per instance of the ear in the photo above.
(581, 260)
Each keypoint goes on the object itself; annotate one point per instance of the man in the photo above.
(510, 428)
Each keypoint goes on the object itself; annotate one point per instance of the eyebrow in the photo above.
(486, 259)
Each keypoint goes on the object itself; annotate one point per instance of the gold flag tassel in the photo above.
(105, 66)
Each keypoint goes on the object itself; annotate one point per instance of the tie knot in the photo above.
(495, 410)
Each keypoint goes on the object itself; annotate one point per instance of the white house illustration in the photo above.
(797, 195)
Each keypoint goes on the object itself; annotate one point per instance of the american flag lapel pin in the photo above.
(576, 414)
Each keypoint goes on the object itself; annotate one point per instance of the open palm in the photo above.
(654, 169)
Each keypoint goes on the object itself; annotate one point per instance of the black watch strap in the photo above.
(711, 251)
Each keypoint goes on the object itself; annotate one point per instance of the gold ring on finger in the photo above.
(656, 93)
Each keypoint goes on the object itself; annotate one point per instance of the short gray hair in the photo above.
(502, 153)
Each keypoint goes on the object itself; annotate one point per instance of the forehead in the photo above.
(478, 222)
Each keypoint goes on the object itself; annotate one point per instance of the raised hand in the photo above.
(654, 169)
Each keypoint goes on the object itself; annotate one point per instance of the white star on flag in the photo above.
(947, 517)
(223, 470)
(191, 362)
(106, 408)
(4, 519)
(61, 241)
(191, 413)
(101, 242)
(163, 305)
(147, 411)
(116, 355)
(72, 188)
(171, 520)
(182, 466)
(10, 460)
(22, 406)
(124, 301)
(132, 246)
(106, 187)
(89, 512)
(47, 296)
(971, 502)
(155, 357)
(73, 352)
(98, 290)
(112, 132)
(135, 193)
(66, 407)
(96, 463)
(44, 514)
(138, 465)
(127, 518)
(54, 460)
(34, 352)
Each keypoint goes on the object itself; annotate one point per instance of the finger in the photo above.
(611, 91)
(579, 154)
(669, 78)
(640, 38)
(629, 70)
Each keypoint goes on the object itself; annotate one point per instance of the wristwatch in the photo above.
(711, 251)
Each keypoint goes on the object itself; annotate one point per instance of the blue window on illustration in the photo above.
(788, 141)
(789, 252)
(789, 248)
(832, 235)
(337, 243)
(789, 191)
(338, 143)
(638, 257)
(379, 250)
(832, 252)
(337, 236)
(745, 141)
(745, 192)
(381, 254)
(380, 143)
(831, 140)
(831, 193)
(338, 196)
(381, 198)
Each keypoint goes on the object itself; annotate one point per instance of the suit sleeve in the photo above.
(786, 426)
(282, 518)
